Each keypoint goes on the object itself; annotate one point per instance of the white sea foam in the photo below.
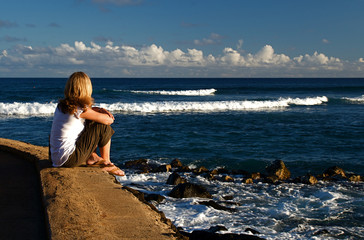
(38, 109)
(355, 100)
(286, 211)
(27, 109)
(199, 92)
(212, 106)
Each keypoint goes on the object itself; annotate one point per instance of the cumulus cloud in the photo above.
(153, 60)
(361, 60)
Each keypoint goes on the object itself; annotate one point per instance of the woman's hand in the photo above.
(103, 110)
(99, 115)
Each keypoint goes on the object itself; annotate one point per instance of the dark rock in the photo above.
(136, 163)
(355, 178)
(255, 176)
(248, 181)
(333, 171)
(176, 163)
(228, 197)
(186, 190)
(217, 206)
(162, 168)
(200, 170)
(307, 179)
(228, 179)
(154, 197)
(209, 176)
(175, 179)
(253, 231)
(202, 235)
(183, 169)
(140, 164)
(278, 169)
(220, 171)
(271, 179)
(217, 229)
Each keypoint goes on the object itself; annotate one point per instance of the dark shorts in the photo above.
(94, 135)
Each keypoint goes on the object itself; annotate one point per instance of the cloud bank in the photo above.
(112, 60)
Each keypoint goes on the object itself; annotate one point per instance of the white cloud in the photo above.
(319, 60)
(325, 41)
(153, 60)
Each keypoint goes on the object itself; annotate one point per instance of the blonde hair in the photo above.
(77, 93)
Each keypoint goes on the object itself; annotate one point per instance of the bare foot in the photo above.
(96, 160)
(114, 170)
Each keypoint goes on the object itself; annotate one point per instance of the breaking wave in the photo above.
(355, 100)
(211, 106)
(200, 92)
(38, 109)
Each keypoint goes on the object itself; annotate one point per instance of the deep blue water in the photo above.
(207, 129)
(310, 124)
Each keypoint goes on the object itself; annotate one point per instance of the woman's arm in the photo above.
(101, 115)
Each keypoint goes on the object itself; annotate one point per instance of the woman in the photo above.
(78, 128)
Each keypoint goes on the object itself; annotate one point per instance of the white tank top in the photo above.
(65, 130)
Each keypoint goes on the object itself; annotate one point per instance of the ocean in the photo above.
(310, 124)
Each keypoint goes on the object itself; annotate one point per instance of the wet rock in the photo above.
(307, 179)
(217, 228)
(139, 164)
(176, 163)
(228, 197)
(271, 179)
(200, 170)
(255, 176)
(183, 169)
(248, 181)
(253, 231)
(333, 171)
(355, 178)
(209, 176)
(162, 168)
(228, 179)
(154, 197)
(219, 171)
(175, 179)
(217, 206)
(278, 169)
(187, 190)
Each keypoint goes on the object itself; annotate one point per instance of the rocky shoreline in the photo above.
(89, 200)
(276, 173)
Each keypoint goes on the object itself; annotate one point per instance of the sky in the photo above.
(189, 38)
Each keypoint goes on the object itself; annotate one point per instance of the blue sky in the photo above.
(190, 38)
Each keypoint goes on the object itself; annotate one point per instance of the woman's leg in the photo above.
(94, 135)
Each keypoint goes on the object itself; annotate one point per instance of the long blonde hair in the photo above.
(77, 93)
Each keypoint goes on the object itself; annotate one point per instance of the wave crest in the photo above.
(27, 109)
(199, 92)
(39, 109)
(211, 106)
